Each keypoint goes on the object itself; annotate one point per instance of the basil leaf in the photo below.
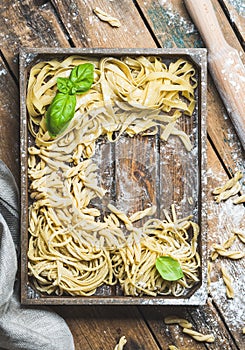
(82, 77)
(169, 268)
(65, 85)
(60, 112)
(62, 108)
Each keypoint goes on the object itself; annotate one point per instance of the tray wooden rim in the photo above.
(199, 296)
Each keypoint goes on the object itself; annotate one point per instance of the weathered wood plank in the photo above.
(104, 158)
(85, 29)
(220, 129)
(222, 133)
(89, 326)
(97, 328)
(136, 173)
(23, 23)
(204, 320)
(169, 334)
(170, 23)
(179, 172)
(228, 31)
(9, 121)
(224, 217)
(235, 10)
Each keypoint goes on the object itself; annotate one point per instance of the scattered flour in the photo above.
(3, 71)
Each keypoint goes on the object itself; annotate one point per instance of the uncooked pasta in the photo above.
(229, 189)
(228, 243)
(240, 234)
(74, 247)
(229, 184)
(227, 280)
(231, 254)
(208, 338)
(187, 328)
(228, 193)
(221, 249)
(177, 320)
(239, 200)
(114, 22)
(121, 343)
(132, 95)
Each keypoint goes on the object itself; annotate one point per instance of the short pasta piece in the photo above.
(228, 243)
(239, 200)
(121, 343)
(114, 22)
(214, 255)
(177, 320)
(232, 254)
(209, 338)
(173, 347)
(227, 280)
(229, 184)
(228, 193)
(239, 234)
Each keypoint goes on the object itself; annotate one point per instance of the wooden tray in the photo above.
(160, 174)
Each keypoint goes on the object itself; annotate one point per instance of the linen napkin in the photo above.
(21, 327)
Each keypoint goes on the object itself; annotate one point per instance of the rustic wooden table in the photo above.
(147, 24)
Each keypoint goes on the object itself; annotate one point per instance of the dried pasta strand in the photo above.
(239, 234)
(209, 273)
(177, 320)
(228, 243)
(243, 330)
(114, 22)
(229, 184)
(228, 193)
(227, 280)
(141, 214)
(239, 200)
(229, 254)
(121, 343)
(214, 255)
(209, 338)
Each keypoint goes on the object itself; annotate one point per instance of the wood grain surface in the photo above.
(235, 11)
(86, 30)
(150, 23)
(225, 64)
(218, 122)
(9, 120)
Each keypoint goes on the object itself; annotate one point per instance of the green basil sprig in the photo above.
(63, 106)
(82, 77)
(169, 268)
